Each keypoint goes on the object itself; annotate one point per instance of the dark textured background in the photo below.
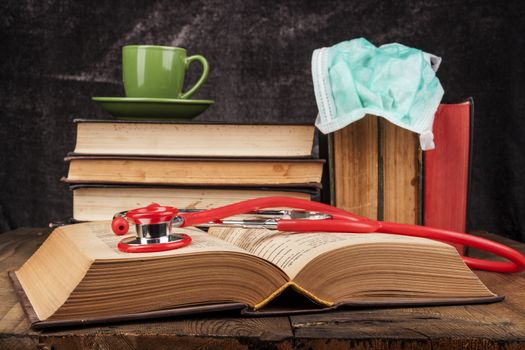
(57, 54)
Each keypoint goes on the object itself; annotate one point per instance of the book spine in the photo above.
(400, 170)
(375, 169)
(446, 169)
(355, 167)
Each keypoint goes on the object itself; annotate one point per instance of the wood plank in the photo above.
(157, 342)
(188, 333)
(401, 169)
(355, 151)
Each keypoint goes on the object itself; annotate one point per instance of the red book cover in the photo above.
(446, 169)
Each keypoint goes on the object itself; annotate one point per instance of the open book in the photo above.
(78, 275)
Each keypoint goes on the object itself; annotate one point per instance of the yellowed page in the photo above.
(98, 242)
(292, 251)
(94, 204)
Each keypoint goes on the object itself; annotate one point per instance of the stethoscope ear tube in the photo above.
(516, 259)
(250, 205)
(120, 225)
(328, 226)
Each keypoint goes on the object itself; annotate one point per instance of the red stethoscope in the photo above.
(154, 224)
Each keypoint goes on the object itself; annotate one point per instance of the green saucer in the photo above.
(152, 108)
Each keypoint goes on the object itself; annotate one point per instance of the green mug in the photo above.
(158, 71)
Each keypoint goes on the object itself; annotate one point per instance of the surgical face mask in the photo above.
(393, 81)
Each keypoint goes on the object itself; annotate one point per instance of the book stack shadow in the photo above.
(118, 165)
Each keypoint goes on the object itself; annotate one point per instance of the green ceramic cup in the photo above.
(158, 71)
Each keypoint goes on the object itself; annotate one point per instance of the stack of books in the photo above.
(119, 165)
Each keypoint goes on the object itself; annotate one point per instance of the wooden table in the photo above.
(495, 326)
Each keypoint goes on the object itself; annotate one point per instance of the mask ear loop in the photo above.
(426, 140)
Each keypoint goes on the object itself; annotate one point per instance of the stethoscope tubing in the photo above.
(250, 205)
(343, 221)
(516, 263)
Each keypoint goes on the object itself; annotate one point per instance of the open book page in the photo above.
(98, 242)
(292, 251)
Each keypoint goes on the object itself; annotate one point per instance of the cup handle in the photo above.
(204, 75)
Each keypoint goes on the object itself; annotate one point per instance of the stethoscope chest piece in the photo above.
(153, 226)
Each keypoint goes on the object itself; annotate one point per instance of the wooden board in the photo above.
(494, 326)
(356, 167)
